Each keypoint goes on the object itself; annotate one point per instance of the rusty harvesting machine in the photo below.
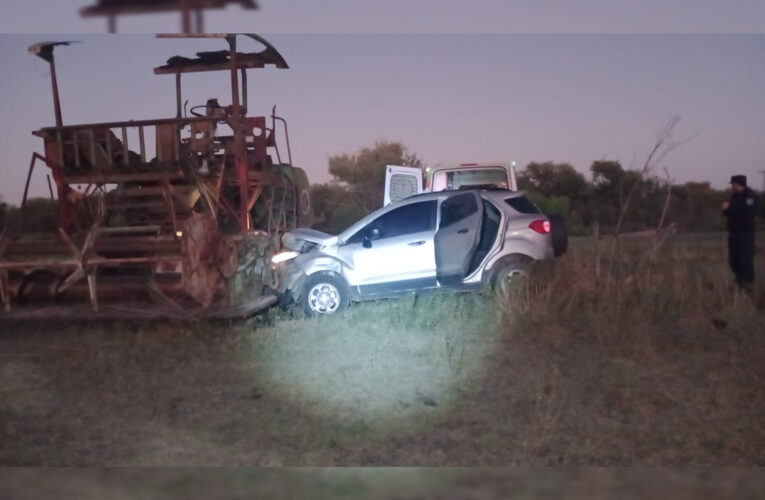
(170, 217)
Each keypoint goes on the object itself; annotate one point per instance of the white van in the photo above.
(402, 182)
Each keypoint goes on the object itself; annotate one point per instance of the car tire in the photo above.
(504, 271)
(559, 233)
(324, 294)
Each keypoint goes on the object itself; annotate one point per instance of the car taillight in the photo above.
(540, 226)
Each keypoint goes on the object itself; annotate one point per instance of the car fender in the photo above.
(522, 246)
(314, 262)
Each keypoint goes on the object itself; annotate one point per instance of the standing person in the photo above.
(740, 211)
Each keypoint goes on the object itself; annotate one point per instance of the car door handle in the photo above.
(463, 231)
(417, 243)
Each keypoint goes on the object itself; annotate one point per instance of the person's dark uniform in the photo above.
(741, 212)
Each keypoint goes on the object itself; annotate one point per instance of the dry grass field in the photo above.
(660, 362)
(517, 483)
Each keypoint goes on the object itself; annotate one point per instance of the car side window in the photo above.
(522, 205)
(457, 207)
(409, 219)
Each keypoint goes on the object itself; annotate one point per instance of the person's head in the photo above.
(738, 183)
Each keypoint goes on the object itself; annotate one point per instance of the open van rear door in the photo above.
(401, 182)
(456, 240)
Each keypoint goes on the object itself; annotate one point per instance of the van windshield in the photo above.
(452, 180)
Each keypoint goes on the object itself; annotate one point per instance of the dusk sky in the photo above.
(416, 16)
(449, 97)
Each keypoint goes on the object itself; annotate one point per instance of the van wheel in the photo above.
(507, 272)
(324, 294)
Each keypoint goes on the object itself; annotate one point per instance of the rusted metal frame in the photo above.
(126, 8)
(54, 83)
(90, 241)
(37, 264)
(50, 188)
(108, 138)
(92, 290)
(79, 271)
(178, 97)
(143, 144)
(252, 63)
(270, 206)
(176, 143)
(200, 27)
(127, 123)
(240, 161)
(113, 178)
(77, 161)
(125, 149)
(5, 290)
(60, 142)
(274, 119)
(160, 155)
(167, 194)
(282, 215)
(245, 93)
(254, 197)
(129, 229)
(231, 210)
(35, 157)
(121, 261)
(92, 138)
(185, 18)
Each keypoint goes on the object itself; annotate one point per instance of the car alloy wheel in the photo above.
(324, 298)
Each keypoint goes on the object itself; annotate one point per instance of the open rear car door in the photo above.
(456, 240)
(401, 182)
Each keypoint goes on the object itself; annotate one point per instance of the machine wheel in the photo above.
(324, 294)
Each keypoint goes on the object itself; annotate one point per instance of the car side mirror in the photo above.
(373, 234)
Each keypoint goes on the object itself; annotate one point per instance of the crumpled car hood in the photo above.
(303, 239)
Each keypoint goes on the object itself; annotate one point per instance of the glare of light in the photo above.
(284, 257)
(179, 234)
(513, 163)
(427, 169)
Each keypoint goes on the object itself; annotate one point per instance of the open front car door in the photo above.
(456, 240)
(401, 182)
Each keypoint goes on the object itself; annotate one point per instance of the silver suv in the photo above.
(442, 240)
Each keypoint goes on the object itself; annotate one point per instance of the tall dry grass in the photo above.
(664, 366)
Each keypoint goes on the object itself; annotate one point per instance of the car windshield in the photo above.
(450, 180)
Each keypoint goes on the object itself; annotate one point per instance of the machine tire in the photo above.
(336, 295)
(559, 233)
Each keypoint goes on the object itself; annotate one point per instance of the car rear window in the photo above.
(522, 205)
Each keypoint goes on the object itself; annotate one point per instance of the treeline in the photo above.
(40, 216)
(560, 189)
(557, 188)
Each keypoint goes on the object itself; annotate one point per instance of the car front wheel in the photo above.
(324, 294)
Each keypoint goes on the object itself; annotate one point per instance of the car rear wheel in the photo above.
(324, 294)
(507, 273)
